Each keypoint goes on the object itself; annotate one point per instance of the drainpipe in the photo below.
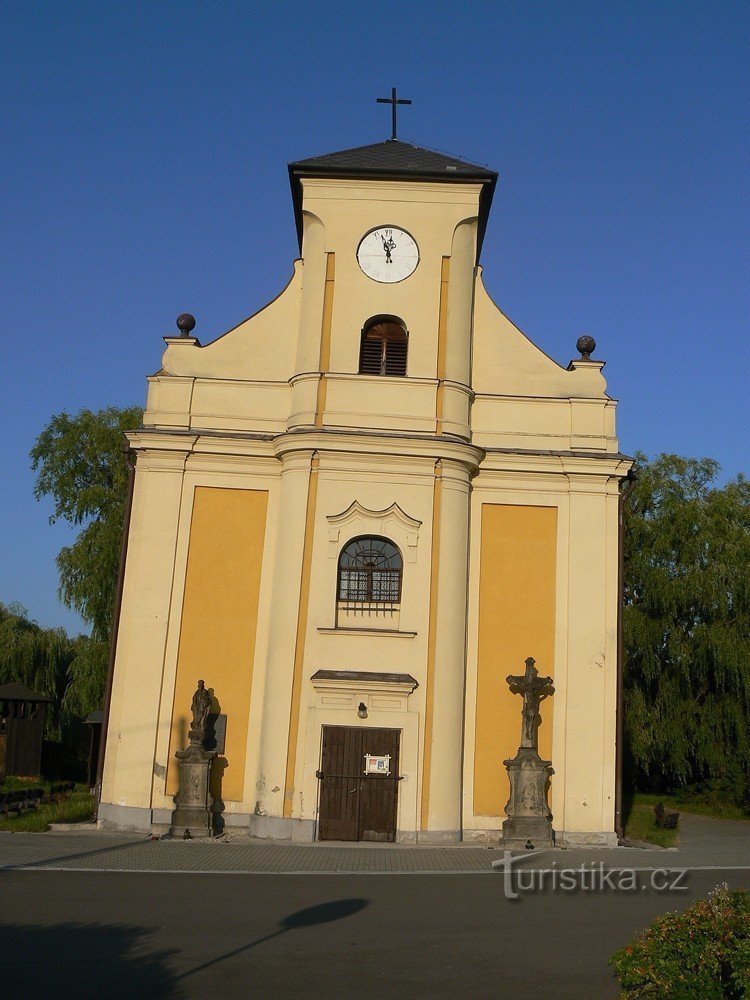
(129, 462)
(630, 481)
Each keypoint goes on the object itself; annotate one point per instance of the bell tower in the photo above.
(388, 230)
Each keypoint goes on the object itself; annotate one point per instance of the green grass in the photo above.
(15, 784)
(640, 823)
(716, 809)
(75, 807)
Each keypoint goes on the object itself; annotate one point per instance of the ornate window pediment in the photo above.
(392, 522)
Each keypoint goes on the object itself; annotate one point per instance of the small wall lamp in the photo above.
(362, 710)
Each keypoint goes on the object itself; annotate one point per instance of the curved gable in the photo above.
(506, 363)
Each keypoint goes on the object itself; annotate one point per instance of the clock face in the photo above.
(388, 254)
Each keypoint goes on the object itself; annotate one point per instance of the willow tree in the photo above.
(39, 658)
(687, 627)
(80, 464)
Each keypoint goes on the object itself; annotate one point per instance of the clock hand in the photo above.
(388, 245)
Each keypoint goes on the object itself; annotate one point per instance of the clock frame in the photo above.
(388, 254)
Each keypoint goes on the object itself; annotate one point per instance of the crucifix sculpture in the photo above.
(393, 101)
(534, 690)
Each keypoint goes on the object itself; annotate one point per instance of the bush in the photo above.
(701, 953)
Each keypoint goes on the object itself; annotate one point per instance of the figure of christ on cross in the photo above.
(534, 690)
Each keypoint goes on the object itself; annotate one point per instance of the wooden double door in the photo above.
(354, 804)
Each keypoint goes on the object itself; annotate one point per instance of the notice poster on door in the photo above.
(377, 763)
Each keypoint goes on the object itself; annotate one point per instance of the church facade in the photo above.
(353, 515)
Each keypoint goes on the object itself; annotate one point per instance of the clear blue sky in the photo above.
(144, 174)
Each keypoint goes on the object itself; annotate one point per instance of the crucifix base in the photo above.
(529, 818)
(192, 817)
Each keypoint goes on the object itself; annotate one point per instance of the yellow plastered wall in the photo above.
(219, 620)
(516, 620)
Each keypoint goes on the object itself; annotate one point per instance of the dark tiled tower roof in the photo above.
(393, 157)
(399, 161)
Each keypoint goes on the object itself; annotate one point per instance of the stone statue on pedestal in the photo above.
(529, 819)
(200, 707)
(192, 817)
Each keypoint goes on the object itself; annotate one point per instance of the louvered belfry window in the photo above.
(384, 347)
(369, 573)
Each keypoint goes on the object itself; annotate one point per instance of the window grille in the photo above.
(369, 575)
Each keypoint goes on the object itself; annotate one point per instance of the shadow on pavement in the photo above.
(112, 848)
(75, 960)
(324, 913)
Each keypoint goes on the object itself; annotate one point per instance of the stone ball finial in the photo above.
(586, 345)
(185, 324)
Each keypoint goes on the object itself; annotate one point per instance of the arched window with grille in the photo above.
(369, 582)
(384, 347)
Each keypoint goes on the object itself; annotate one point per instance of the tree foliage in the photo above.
(69, 670)
(39, 658)
(79, 463)
(687, 626)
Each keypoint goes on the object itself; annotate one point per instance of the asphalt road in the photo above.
(126, 934)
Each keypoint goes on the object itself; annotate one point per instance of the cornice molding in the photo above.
(365, 442)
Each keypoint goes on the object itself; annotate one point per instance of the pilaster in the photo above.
(144, 620)
(591, 657)
(282, 641)
(441, 790)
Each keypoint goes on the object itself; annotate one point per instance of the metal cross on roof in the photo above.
(393, 101)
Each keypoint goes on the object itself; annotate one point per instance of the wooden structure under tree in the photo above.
(22, 716)
(94, 722)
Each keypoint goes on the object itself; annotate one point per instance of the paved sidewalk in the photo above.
(108, 852)
(704, 843)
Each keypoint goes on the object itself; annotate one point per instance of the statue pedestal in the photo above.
(529, 816)
(192, 817)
